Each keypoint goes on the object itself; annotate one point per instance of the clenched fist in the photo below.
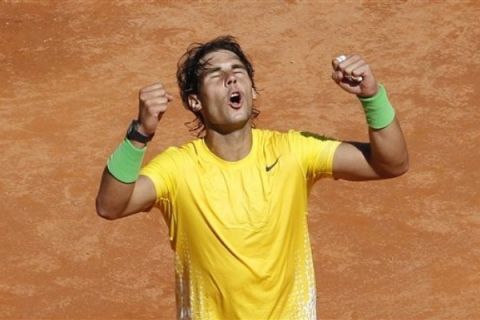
(153, 101)
(354, 75)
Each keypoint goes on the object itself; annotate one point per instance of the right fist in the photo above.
(153, 101)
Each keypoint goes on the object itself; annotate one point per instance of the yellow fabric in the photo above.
(239, 229)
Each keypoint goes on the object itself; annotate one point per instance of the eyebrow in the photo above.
(207, 71)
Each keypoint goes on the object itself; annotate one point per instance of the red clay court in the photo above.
(407, 248)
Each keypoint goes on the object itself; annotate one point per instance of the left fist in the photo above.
(354, 75)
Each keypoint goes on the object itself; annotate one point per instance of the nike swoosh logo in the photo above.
(270, 167)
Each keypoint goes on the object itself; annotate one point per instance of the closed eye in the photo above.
(239, 70)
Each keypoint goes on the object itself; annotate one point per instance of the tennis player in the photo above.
(235, 198)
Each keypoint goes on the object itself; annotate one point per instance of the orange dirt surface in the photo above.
(407, 248)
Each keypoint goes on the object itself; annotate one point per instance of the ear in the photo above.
(254, 94)
(194, 103)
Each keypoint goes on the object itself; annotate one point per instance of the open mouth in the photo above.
(235, 100)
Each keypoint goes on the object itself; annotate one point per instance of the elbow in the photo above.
(404, 166)
(400, 171)
(397, 170)
(104, 212)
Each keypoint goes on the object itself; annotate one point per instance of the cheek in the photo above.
(208, 95)
(213, 102)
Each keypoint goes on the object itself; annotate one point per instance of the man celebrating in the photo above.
(235, 200)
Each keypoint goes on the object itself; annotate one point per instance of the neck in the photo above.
(231, 146)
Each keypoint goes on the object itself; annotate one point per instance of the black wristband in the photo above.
(134, 135)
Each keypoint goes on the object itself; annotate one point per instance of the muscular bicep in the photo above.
(143, 196)
(351, 162)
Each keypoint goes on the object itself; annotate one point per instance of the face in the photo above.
(226, 94)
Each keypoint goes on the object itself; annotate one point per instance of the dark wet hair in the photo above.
(190, 68)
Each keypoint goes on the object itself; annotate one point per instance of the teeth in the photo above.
(235, 97)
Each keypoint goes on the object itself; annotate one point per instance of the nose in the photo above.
(231, 79)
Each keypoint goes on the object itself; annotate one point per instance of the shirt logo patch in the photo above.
(270, 167)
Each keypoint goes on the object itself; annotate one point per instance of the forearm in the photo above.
(118, 181)
(122, 191)
(385, 156)
(388, 151)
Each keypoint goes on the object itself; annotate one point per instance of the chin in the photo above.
(237, 124)
(242, 116)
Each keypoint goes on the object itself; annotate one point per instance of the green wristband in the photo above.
(378, 110)
(125, 162)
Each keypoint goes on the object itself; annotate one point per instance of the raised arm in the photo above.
(385, 156)
(122, 192)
